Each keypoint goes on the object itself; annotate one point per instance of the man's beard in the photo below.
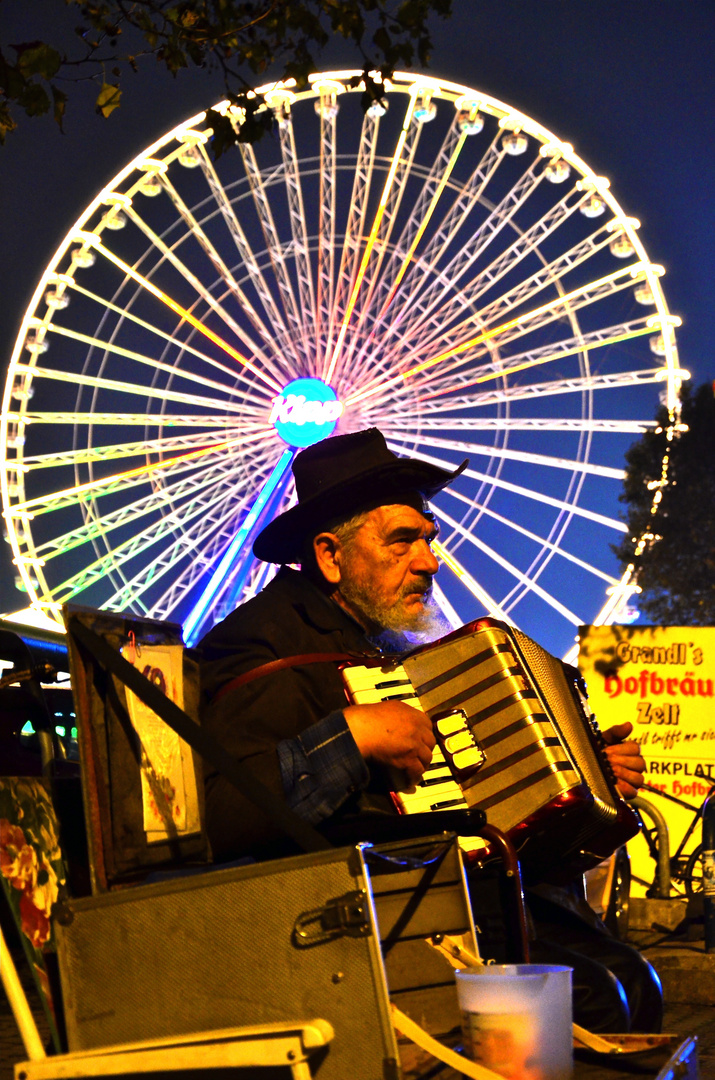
(395, 628)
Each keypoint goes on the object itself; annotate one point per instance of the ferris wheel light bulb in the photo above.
(191, 136)
(116, 198)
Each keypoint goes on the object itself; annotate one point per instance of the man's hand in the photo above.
(394, 734)
(625, 759)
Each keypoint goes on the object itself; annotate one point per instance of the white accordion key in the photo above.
(471, 758)
(460, 741)
(451, 724)
(446, 796)
(438, 789)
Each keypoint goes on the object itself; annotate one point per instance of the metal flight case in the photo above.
(336, 935)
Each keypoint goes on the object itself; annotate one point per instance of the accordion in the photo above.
(514, 738)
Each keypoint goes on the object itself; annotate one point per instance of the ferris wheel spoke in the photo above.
(94, 242)
(122, 553)
(202, 291)
(547, 500)
(215, 495)
(354, 230)
(485, 234)
(402, 258)
(512, 330)
(229, 575)
(198, 516)
(551, 353)
(216, 538)
(517, 489)
(227, 276)
(420, 217)
(428, 320)
(543, 542)
(110, 347)
(188, 558)
(501, 452)
(430, 260)
(463, 575)
(296, 213)
(380, 230)
(555, 387)
(92, 454)
(117, 386)
(515, 572)
(150, 328)
(528, 240)
(275, 250)
(326, 226)
(534, 423)
(563, 304)
(98, 419)
(107, 485)
(190, 491)
(469, 350)
(550, 275)
(276, 321)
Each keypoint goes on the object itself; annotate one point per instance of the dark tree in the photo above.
(240, 38)
(676, 568)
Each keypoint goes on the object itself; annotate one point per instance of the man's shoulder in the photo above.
(258, 620)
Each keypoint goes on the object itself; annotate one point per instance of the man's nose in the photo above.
(425, 560)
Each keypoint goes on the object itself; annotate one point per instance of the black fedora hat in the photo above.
(343, 475)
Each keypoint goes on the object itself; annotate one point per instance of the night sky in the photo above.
(630, 84)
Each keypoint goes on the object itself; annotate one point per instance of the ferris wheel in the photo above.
(439, 266)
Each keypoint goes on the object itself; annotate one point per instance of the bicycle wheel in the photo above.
(618, 911)
(693, 876)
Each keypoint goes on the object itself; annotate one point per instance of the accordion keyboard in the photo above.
(437, 790)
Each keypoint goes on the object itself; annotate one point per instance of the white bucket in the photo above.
(517, 1019)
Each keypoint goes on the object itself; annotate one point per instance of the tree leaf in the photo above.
(7, 124)
(231, 36)
(60, 100)
(37, 58)
(34, 99)
(108, 99)
(224, 135)
(676, 569)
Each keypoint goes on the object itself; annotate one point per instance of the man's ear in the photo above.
(326, 547)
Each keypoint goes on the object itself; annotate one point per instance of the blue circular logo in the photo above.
(306, 412)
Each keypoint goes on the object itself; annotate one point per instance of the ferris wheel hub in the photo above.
(305, 412)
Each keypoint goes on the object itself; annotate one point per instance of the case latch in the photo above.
(346, 915)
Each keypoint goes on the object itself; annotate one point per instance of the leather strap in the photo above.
(280, 665)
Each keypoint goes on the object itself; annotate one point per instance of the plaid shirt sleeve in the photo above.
(321, 768)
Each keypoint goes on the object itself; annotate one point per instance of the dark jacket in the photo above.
(289, 617)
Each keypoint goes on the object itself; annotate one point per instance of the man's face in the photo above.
(386, 570)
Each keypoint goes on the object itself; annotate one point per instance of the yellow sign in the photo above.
(662, 680)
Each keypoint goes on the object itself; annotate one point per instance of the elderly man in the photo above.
(361, 532)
